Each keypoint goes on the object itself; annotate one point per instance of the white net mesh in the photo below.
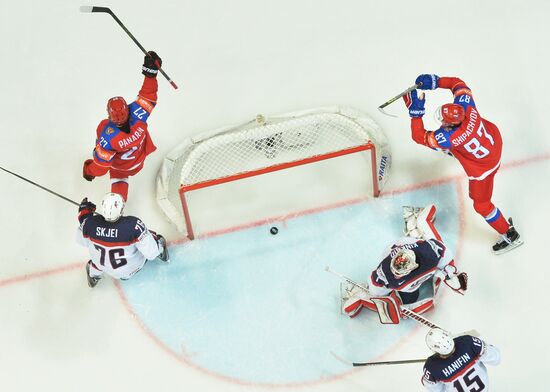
(265, 142)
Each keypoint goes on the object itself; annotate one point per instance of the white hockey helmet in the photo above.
(112, 205)
(440, 341)
(403, 262)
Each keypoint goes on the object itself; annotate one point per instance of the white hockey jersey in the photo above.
(464, 370)
(119, 249)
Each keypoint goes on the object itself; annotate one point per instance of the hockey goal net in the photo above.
(266, 145)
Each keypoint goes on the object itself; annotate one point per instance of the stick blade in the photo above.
(93, 8)
(386, 113)
(86, 8)
(345, 361)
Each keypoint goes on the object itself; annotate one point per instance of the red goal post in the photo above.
(264, 145)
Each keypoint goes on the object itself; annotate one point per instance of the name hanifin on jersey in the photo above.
(456, 365)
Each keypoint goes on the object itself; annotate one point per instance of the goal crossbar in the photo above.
(273, 168)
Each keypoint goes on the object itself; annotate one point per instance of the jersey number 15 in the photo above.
(474, 382)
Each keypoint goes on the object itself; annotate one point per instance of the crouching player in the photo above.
(411, 269)
(119, 245)
(458, 364)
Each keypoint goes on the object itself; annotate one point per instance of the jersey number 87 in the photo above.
(474, 146)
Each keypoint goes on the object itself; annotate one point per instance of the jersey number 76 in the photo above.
(116, 256)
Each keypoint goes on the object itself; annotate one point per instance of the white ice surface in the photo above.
(232, 61)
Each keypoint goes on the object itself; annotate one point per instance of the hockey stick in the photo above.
(401, 362)
(41, 187)
(91, 8)
(472, 332)
(344, 277)
(407, 312)
(392, 100)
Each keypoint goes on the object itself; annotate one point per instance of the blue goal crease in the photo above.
(260, 308)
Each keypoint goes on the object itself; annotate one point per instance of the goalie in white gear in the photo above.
(458, 364)
(119, 245)
(411, 269)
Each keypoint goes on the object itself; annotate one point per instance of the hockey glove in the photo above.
(463, 279)
(85, 209)
(87, 177)
(427, 81)
(415, 104)
(151, 64)
(457, 282)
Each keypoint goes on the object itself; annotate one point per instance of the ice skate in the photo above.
(508, 241)
(164, 253)
(92, 281)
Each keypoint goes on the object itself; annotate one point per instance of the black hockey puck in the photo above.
(273, 230)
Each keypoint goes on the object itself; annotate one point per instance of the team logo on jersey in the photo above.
(109, 131)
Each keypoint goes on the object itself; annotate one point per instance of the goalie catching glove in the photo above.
(456, 281)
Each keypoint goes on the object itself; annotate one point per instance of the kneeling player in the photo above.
(458, 364)
(411, 270)
(119, 245)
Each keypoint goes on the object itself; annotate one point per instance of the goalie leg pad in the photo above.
(388, 308)
(425, 223)
(421, 306)
(353, 299)
(353, 309)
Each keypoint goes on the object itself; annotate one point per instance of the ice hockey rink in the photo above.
(239, 309)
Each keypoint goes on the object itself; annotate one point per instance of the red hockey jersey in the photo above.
(126, 151)
(476, 142)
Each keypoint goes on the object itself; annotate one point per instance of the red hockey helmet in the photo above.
(450, 114)
(117, 108)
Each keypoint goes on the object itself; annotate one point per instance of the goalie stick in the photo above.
(40, 186)
(106, 10)
(407, 312)
(392, 100)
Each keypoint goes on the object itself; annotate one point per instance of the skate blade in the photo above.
(510, 247)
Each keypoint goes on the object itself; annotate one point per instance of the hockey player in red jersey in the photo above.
(474, 141)
(123, 140)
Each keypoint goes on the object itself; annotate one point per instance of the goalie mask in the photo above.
(440, 341)
(403, 262)
(112, 206)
